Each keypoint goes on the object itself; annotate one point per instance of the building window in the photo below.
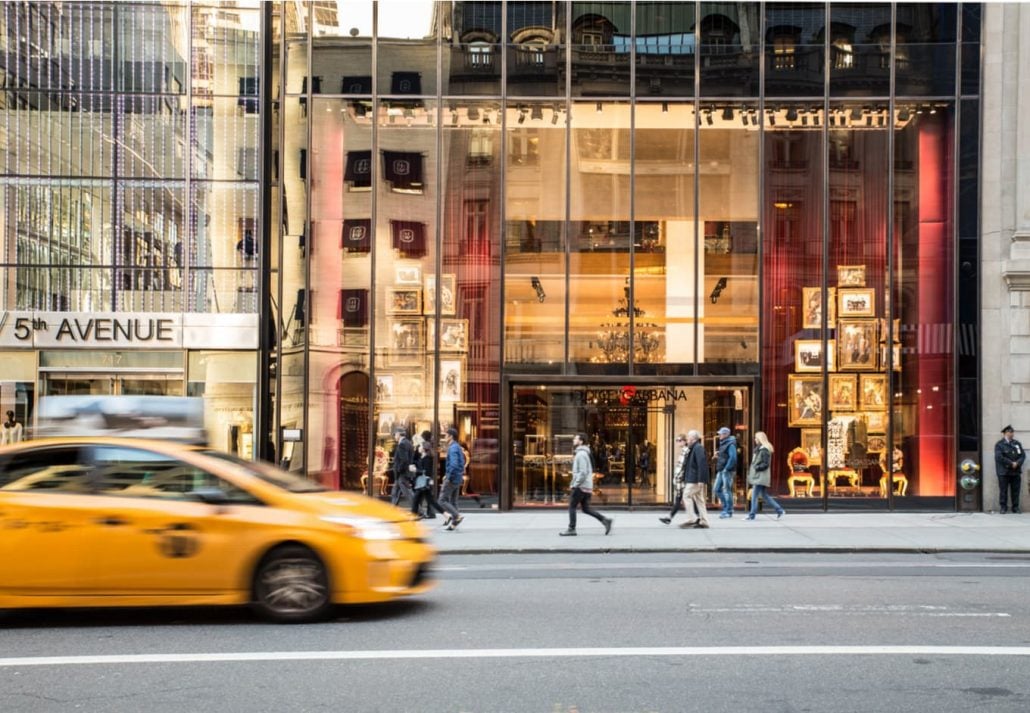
(524, 147)
(843, 53)
(481, 147)
(784, 48)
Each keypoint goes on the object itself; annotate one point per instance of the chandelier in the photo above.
(613, 339)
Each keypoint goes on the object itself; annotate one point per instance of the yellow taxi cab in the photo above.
(99, 521)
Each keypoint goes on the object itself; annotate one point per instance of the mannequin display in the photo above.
(12, 431)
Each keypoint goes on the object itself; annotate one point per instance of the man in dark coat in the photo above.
(1009, 457)
(404, 467)
(695, 475)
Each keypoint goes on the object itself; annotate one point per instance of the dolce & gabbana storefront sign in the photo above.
(128, 330)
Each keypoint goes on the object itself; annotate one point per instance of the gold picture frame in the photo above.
(876, 444)
(843, 392)
(384, 388)
(454, 335)
(856, 302)
(873, 392)
(895, 356)
(812, 445)
(452, 380)
(804, 400)
(851, 275)
(410, 388)
(857, 344)
(403, 300)
(876, 421)
(808, 355)
(811, 307)
(448, 295)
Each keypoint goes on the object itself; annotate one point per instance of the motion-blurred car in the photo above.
(97, 522)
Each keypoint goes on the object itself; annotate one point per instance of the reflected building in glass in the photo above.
(527, 220)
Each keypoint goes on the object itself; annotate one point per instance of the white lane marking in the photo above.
(520, 653)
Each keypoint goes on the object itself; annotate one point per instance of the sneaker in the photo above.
(1016, 511)
(780, 514)
(749, 517)
(460, 519)
(608, 525)
(567, 533)
(449, 527)
(725, 515)
(665, 520)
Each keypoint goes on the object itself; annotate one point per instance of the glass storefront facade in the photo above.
(521, 219)
(507, 216)
(130, 186)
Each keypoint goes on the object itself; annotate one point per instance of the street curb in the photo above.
(735, 550)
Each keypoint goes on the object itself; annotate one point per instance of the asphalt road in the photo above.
(569, 633)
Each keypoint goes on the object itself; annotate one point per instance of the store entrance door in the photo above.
(631, 433)
(111, 384)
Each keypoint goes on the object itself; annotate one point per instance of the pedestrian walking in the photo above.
(404, 467)
(677, 480)
(726, 471)
(454, 474)
(695, 478)
(759, 477)
(1008, 458)
(425, 495)
(582, 486)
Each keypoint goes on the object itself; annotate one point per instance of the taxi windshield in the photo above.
(270, 474)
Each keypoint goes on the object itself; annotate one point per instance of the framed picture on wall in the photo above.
(405, 335)
(808, 355)
(804, 400)
(385, 423)
(876, 422)
(452, 379)
(876, 444)
(895, 356)
(448, 295)
(873, 389)
(408, 274)
(384, 388)
(857, 344)
(410, 388)
(843, 392)
(856, 302)
(454, 335)
(812, 307)
(403, 300)
(811, 444)
(851, 275)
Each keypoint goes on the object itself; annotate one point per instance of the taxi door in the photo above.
(46, 517)
(158, 539)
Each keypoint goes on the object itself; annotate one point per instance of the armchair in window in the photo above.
(896, 473)
(798, 466)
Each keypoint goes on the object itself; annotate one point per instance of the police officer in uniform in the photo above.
(1008, 457)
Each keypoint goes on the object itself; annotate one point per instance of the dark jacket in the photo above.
(726, 460)
(427, 462)
(1007, 453)
(403, 456)
(695, 467)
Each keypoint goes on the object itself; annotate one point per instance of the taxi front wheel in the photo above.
(291, 585)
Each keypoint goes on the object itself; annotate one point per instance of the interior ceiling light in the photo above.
(536, 113)
(727, 114)
(856, 114)
(792, 114)
(904, 115)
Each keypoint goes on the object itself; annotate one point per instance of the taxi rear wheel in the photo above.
(291, 585)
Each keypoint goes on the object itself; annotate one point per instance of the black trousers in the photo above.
(1009, 485)
(582, 498)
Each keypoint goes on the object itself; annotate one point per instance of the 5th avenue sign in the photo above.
(127, 330)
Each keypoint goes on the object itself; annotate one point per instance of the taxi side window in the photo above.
(139, 473)
(54, 470)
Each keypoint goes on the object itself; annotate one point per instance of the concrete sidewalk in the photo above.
(537, 532)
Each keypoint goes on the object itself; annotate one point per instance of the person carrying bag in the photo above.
(759, 477)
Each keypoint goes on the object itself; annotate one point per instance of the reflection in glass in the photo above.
(729, 49)
(535, 53)
(728, 240)
(794, 47)
(600, 48)
(472, 54)
(860, 49)
(534, 216)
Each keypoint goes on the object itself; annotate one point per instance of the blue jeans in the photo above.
(724, 481)
(762, 491)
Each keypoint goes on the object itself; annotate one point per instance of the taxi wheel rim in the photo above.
(293, 585)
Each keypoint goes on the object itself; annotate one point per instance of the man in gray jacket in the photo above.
(582, 486)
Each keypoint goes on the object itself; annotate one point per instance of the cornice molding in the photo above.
(1016, 274)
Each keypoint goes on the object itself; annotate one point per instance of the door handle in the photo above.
(112, 521)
